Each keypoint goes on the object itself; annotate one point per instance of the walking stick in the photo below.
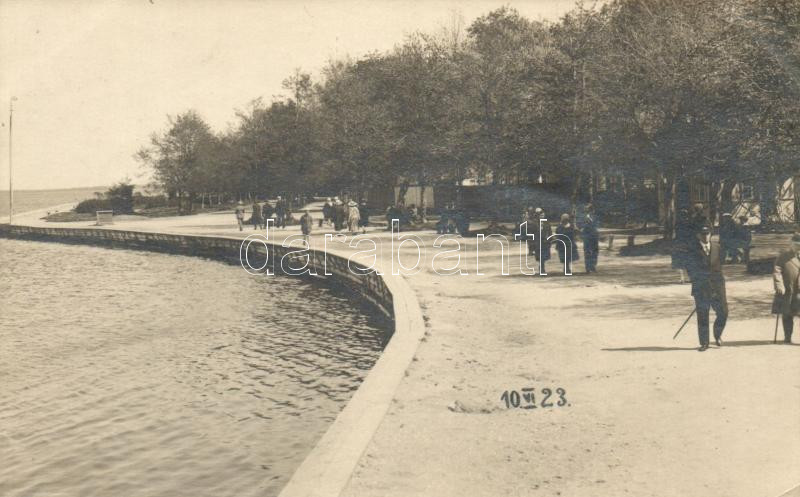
(684, 323)
(775, 338)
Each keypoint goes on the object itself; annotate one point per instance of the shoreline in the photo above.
(648, 416)
(329, 464)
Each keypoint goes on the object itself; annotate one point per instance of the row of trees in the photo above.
(642, 92)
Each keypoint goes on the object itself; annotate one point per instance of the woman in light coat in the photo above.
(353, 217)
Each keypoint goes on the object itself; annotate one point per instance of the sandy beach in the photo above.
(642, 414)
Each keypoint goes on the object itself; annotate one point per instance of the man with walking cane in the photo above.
(704, 266)
(785, 278)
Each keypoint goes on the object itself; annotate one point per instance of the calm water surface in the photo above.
(130, 373)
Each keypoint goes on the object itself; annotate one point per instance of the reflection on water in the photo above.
(126, 373)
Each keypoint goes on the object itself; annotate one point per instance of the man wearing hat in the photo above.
(704, 266)
(280, 212)
(546, 232)
(327, 212)
(743, 239)
(306, 224)
(785, 278)
(239, 214)
(591, 239)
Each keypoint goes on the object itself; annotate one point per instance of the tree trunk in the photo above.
(626, 212)
(726, 195)
(401, 195)
(573, 198)
(666, 198)
(713, 201)
(422, 203)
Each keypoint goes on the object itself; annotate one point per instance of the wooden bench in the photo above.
(104, 217)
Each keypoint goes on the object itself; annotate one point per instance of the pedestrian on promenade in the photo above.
(280, 213)
(339, 214)
(591, 239)
(704, 266)
(742, 239)
(566, 251)
(327, 211)
(443, 225)
(391, 213)
(306, 224)
(547, 232)
(698, 219)
(266, 212)
(785, 276)
(461, 220)
(255, 218)
(353, 217)
(412, 213)
(363, 215)
(240, 215)
(521, 233)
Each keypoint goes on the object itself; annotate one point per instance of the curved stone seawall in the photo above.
(328, 467)
(370, 287)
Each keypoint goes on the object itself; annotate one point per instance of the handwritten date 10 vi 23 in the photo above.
(526, 399)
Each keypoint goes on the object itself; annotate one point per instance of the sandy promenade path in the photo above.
(643, 415)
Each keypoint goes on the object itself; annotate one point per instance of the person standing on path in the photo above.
(327, 212)
(266, 212)
(785, 277)
(255, 219)
(704, 265)
(363, 216)
(280, 213)
(591, 240)
(742, 239)
(240, 215)
(566, 251)
(698, 219)
(546, 232)
(306, 224)
(353, 217)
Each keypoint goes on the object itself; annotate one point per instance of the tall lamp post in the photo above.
(10, 168)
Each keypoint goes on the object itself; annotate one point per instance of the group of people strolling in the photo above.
(453, 220)
(539, 245)
(337, 213)
(259, 214)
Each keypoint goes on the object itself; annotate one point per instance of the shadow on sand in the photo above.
(740, 343)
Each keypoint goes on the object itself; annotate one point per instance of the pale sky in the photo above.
(93, 79)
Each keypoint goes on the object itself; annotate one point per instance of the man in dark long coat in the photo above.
(567, 252)
(787, 294)
(281, 212)
(533, 245)
(704, 265)
(591, 239)
(255, 219)
(266, 212)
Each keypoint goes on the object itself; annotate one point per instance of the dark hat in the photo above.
(704, 229)
(796, 237)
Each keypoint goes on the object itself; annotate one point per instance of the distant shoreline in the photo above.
(36, 200)
(72, 188)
